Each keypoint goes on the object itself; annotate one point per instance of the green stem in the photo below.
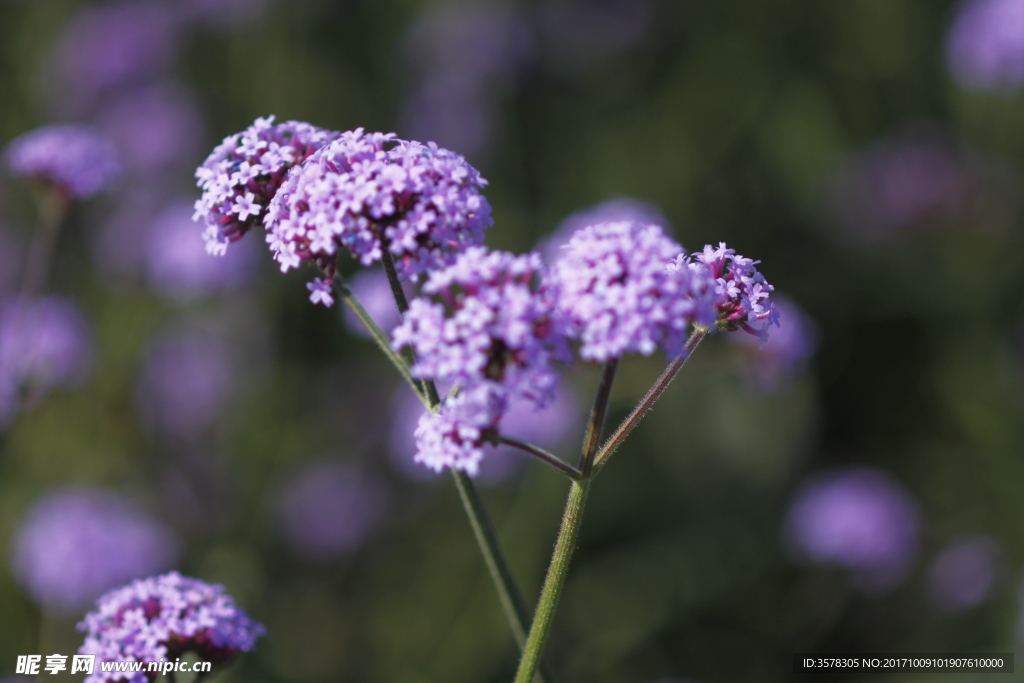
(381, 337)
(52, 209)
(595, 425)
(546, 457)
(554, 581)
(483, 528)
(653, 394)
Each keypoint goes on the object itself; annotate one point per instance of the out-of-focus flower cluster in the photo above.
(163, 617)
(74, 158)
(78, 542)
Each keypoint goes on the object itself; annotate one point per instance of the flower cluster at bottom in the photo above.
(163, 617)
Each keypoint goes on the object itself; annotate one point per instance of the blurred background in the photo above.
(855, 486)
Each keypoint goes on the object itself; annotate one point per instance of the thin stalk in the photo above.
(509, 595)
(554, 581)
(52, 209)
(595, 425)
(546, 457)
(380, 337)
(653, 394)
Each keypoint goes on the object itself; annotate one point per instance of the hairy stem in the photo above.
(483, 528)
(380, 337)
(546, 457)
(653, 394)
(554, 581)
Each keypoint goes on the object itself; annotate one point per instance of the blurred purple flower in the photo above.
(77, 542)
(76, 159)
(965, 573)
(857, 518)
(328, 509)
(119, 246)
(451, 111)
(161, 618)
(110, 46)
(461, 57)
(766, 367)
(578, 31)
(614, 210)
(177, 265)
(985, 45)
(549, 427)
(157, 127)
(373, 290)
(185, 380)
(919, 178)
(43, 343)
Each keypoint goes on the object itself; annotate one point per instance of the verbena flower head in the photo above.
(741, 294)
(549, 427)
(74, 158)
(965, 573)
(245, 171)
(859, 519)
(78, 542)
(43, 343)
(616, 290)
(329, 508)
(490, 321)
(371, 191)
(164, 617)
(456, 435)
(985, 45)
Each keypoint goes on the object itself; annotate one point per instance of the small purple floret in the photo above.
(245, 171)
(74, 158)
(164, 617)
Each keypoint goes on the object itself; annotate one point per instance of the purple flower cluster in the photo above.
(75, 159)
(740, 293)
(163, 617)
(859, 519)
(493, 331)
(78, 542)
(371, 191)
(614, 210)
(619, 295)
(985, 45)
(243, 173)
